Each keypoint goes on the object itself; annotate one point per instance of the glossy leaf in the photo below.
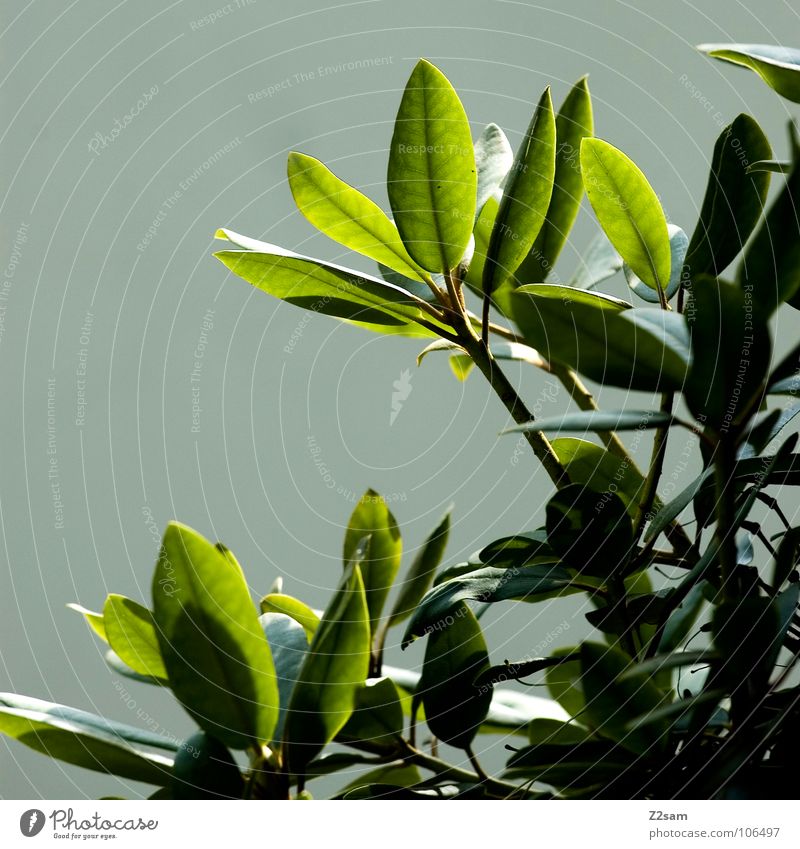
(678, 243)
(611, 699)
(347, 216)
(288, 645)
(380, 560)
(421, 572)
(454, 657)
(493, 159)
(779, 67)
(600, 262)
(731, 352)
(770, 268)
(334, 670)
(511, 351)
(595, 467)
(489, 584)
(205, 769)
(215, 653)
(292, 607)
(83, 739)
(734, 199)
(526, 198)
(574, 122)
(592, 532)
(132, 635)
(432, 171)
(588, 421)
(628, 210)
(603, 338)
(329, 289)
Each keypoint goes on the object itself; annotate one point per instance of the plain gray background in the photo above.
(248, 476)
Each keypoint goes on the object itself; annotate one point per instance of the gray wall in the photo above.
(96, 313)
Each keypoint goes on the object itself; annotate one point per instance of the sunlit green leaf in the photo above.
(297, 610)
(432, 180)
(779, 67)
(132, 635)
(215, 653)
(93, 619)
(628, 210)
(678, 243)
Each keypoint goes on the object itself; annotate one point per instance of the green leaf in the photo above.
(432, 180)
(330, 289)
(380, 560)
(595, 467)
(421, 572)
(347, 216)
(454, 657)
(205, 769)
(563, 682)
(381, 782)
(461, 365)
(512, 351)
(673, 660)
(493, 159)
(674, 508)
(574, 122)
(333, 672)
(734, 199)
(83, 739)
(779, 67)
(590, 531)
(132, 635)
(526, 198)
(600, 262)
(377, 719)
(551, 731)
(602, 338)
(683, 618)
(93, 619)
(588, 421)
(292, 607)
(482, 233)
(486, 585)
(628, 210)
(570, 765)
(215, 653)
(611, 701)
(678, 243)
(731, 350)
(770, 268)
(288, 645)
(772, 166)
(116, 664)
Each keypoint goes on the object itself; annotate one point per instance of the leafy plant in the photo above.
(305, 694)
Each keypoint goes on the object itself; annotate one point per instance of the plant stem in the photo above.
(724, 458)
(539, 443)
(656, 467)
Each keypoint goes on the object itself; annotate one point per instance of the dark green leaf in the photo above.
(731, 351)
(215, 653)
(432, 172)
(683, 618)
(347, 216)
(779, 67)
(580, 764)
(380, 560)
(86, 740)
(486, 585)
(421, 572)
(674, 508)
(132, 635)
(770, 269)
(377, 719)
(205, 769)
(734, 199)
(551, 731)
(597, 420)
(591, 532)
(526, 198)
(628, 210)
(675, 660)
(563, 683)
(574, 122)
(334, 670)
(454, 657)
(611, 701)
